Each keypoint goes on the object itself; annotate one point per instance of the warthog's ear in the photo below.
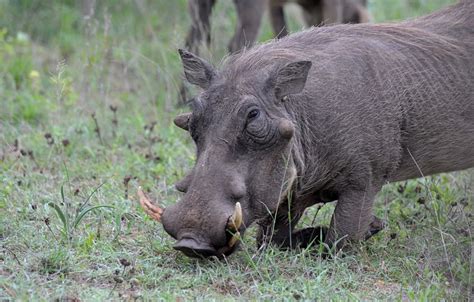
(291, 78)
(196, 70)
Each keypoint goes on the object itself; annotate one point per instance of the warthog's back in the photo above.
(438, 128)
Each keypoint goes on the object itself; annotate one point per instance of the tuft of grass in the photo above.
(70, 221)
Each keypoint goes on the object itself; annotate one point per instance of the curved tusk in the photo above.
(152, 210)
(233, 240)
(235, 221)
(233, 225)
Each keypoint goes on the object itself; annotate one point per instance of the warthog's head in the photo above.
(243, 134)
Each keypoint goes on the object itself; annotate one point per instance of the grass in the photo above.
(86, 111)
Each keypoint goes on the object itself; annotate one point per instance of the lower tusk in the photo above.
(233, 240)
(233, 225)
(152, 210)
(235, 221)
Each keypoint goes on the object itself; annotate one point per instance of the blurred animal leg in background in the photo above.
(312, 13)
(249, 17)
(200, 12)
(355, 11)
(332, 11)
(345, 11)
(277, 18)
(88, 8)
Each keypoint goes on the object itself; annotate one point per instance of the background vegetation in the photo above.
(86, 104)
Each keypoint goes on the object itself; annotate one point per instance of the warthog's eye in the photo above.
(254, 113)
(258, 129)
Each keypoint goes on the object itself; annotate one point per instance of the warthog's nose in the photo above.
(193, 248)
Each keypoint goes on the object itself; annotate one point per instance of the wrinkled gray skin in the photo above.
(330, 113)
(249, 17)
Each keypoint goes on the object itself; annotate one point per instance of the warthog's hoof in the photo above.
(375, 226)
(304, 238)
(310, 236)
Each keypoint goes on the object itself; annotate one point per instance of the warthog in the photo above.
(330, 113)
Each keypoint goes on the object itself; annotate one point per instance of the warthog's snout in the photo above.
(195, 237)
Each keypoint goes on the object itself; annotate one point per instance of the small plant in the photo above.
(70, 222)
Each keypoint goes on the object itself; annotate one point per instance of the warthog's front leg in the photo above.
(352, 219)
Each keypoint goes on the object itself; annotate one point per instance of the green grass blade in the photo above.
(89, 197)
(63, 199)
(61, 215)
(118, 225)
(85, 211)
